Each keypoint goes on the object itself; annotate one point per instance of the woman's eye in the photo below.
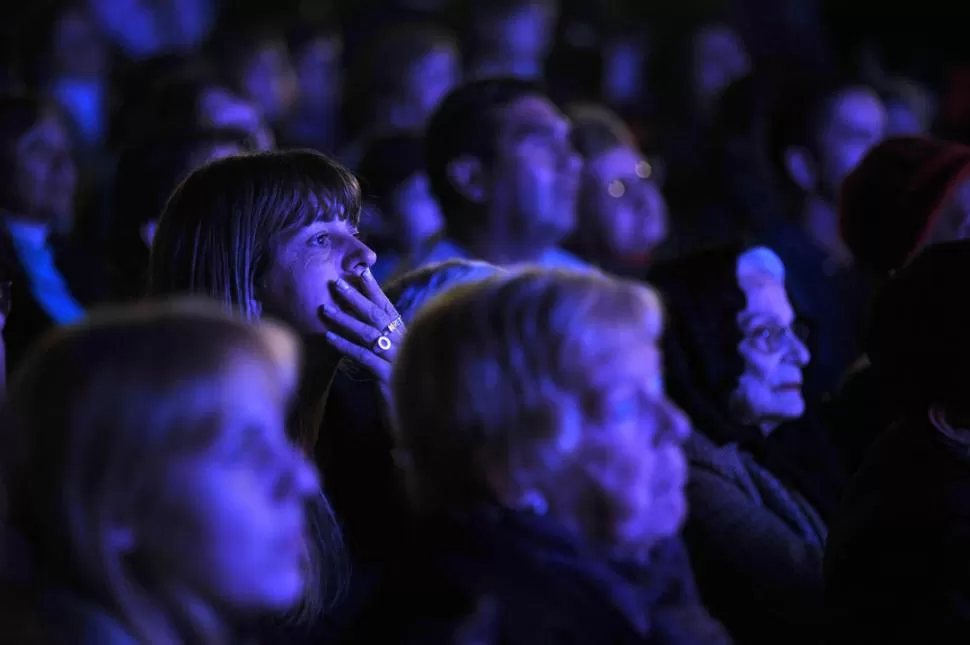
(320, 240)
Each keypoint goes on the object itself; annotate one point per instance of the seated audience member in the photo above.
(545, 464)
(316, 50)
(894, 564)
(275, 234)
(907, 194)
(510, 38)
(760, 473)
(55, 277)
(818, 133)
(503, 171)
(622, 213)
(255, 62)
(149, 484)
(148, 172)
(401, 216)
(401, 78)
(355, 451)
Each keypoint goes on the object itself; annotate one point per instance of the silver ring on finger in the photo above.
(382, 344)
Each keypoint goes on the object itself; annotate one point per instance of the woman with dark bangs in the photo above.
(150, 493)
(275, 234)
(763, 476)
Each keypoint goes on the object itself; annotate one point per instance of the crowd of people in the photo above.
(507, 323)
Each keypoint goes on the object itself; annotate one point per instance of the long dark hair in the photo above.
(703, 367)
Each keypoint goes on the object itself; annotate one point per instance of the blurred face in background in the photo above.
(430, 79)
(516, 44)
(270, 82)
(534, 177)
(46, 177)
(624, 71)
(222, 109)
(79, 51)
(719, 58)
(79, 57)
(624, 205)
(320, 72)
(854, 122)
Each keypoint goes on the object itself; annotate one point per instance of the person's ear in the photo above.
(801, 168)
(467, 176)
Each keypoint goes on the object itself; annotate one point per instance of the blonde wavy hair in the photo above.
(95, 416)
(491, 391)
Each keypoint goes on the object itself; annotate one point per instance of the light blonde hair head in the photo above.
(491, 386)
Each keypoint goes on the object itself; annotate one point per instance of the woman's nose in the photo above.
(359, 256)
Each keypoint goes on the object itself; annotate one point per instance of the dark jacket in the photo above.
(508, 578)
(756, 547)
(896, 566)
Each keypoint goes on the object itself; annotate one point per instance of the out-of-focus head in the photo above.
(735, 349)
(908, 193)
(316, 50)
(917, 336)
(819, 132)
(415, 289)
(255, 61)
(61, 40)
(147, 466)
(622, 211)
(265, 234)
(511, 37)
(393, 181)
(149, 170)
(141, 29)
(718, 58)
(576, 424)
(500, 162)
(909, 107)
(403, 75)
(36, 158)
(195, 98)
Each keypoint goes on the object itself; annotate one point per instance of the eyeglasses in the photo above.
(770, 338)
(646, 170)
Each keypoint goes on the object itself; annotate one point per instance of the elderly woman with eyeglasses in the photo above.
(544, 463)
(763, 476)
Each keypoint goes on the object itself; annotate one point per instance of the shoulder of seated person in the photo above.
(703, 453)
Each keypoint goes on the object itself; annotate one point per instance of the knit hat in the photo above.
(917, 340)
(891, 202)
